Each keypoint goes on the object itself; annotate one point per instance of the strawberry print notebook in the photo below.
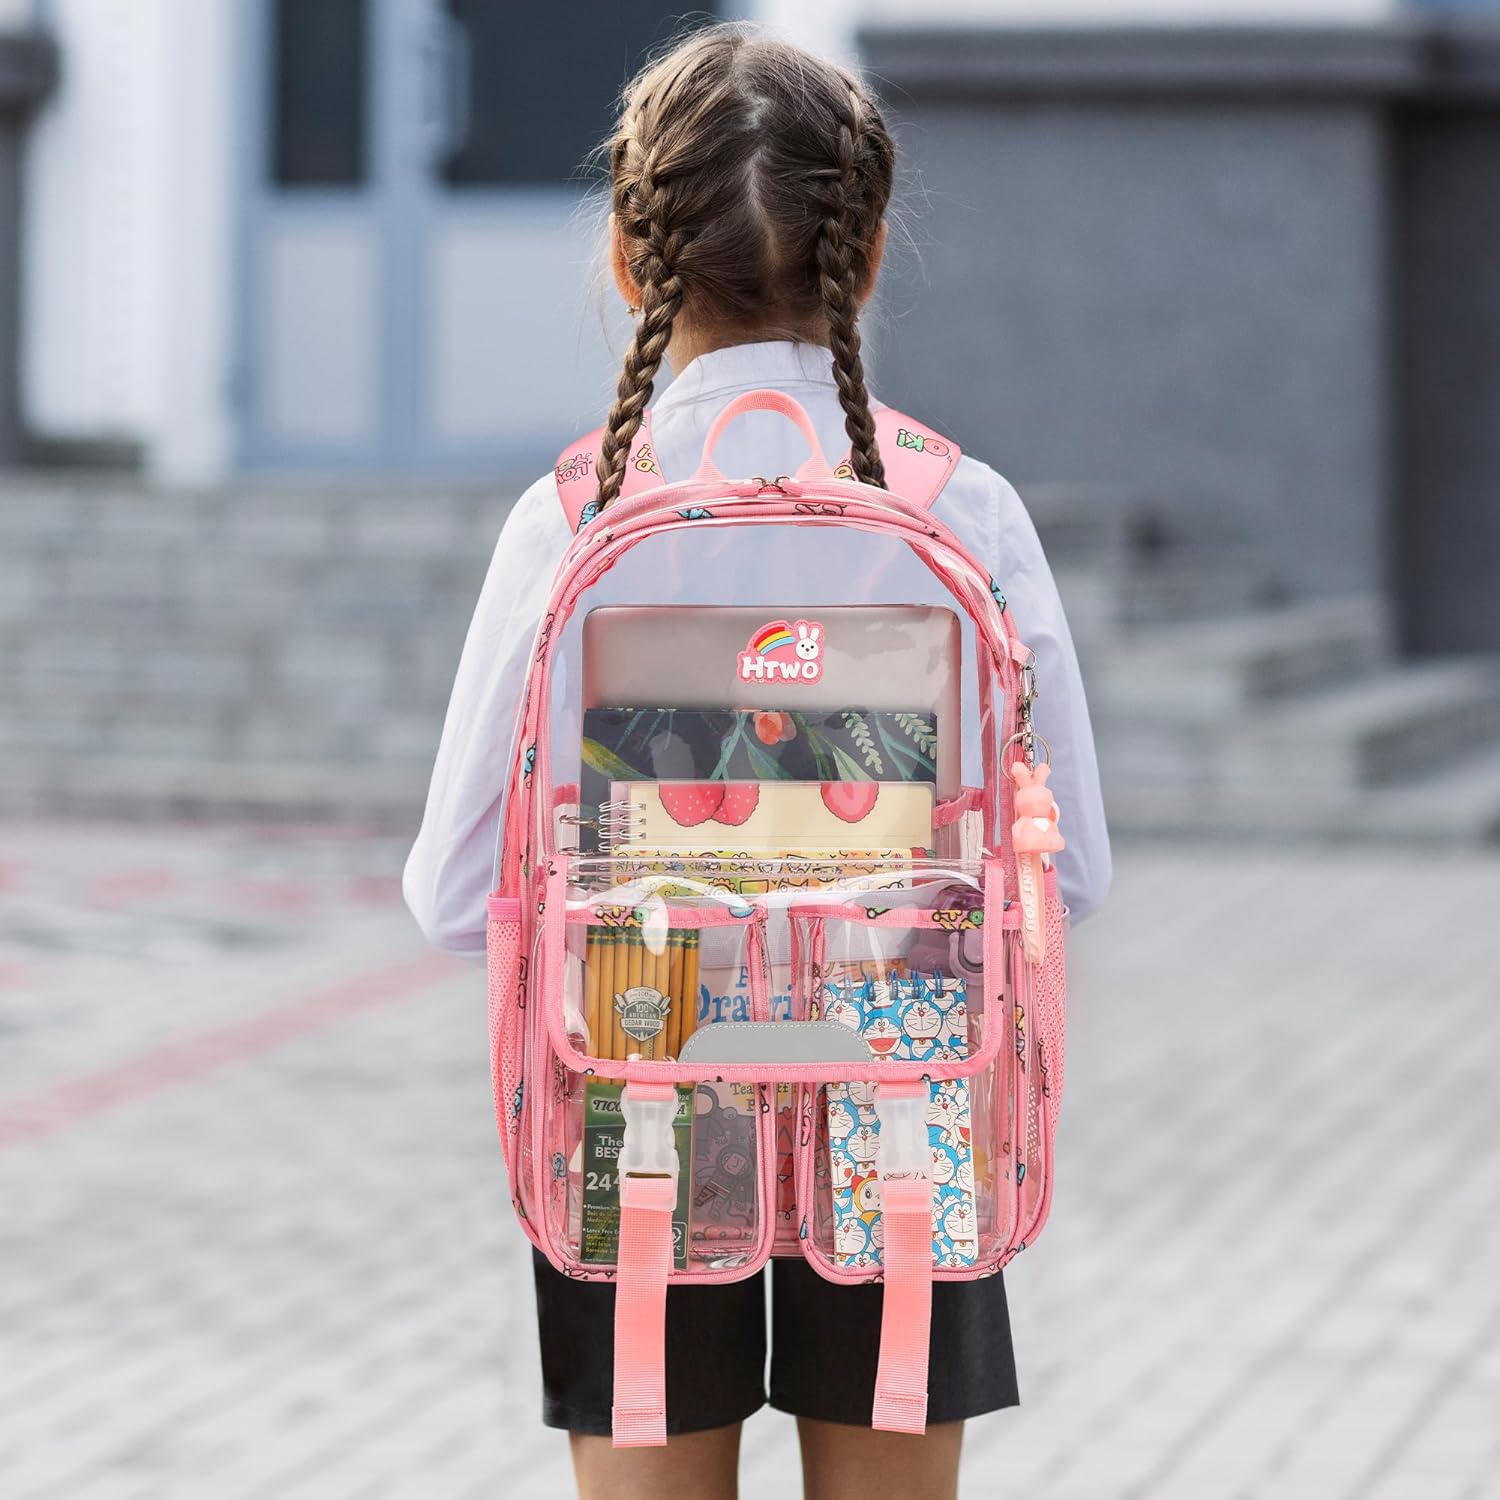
(913, 1014)
(745, 745)
(813, 816)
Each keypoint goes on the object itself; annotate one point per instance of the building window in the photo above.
(541, 92)
(320, 59)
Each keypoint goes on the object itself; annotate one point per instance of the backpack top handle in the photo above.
(816, 466)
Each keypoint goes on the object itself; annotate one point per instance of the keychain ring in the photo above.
(1020, 736)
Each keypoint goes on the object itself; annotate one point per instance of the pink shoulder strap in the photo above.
(917, 460)
(578, 478)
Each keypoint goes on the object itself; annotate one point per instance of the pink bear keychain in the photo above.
(1034, 834)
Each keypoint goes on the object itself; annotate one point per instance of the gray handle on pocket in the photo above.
(770, 1042)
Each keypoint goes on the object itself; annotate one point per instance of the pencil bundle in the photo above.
(639, 1003)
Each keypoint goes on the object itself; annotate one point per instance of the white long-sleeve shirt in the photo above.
(450, 869)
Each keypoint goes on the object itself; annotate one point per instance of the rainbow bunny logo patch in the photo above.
(783, 651)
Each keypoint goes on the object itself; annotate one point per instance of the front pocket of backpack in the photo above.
(723, 1138)
(840, 1173)
(912, 974)
(638, 978)
(631, 975)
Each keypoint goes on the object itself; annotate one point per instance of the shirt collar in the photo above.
(778, 363)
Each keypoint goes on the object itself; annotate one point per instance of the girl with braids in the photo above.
(750, 182)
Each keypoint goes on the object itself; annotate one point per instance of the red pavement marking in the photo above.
(127, 887)
(270, 895)
(189, 1058)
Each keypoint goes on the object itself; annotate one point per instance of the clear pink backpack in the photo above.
(882, 1095)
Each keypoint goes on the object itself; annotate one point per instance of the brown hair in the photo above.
(749, 179)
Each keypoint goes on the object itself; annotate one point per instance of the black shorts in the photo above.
(824, 1347)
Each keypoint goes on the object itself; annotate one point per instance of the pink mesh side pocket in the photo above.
(503, 946)
(1052, 1000)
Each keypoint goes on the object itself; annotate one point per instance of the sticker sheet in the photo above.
(912, 1015)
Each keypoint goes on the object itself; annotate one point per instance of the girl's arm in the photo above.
(449, 869)
(1061, 713)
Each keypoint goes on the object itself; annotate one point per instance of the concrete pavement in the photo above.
(255, 1240)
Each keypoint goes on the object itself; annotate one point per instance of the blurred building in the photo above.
(1246, 272)
(350, 236)
(1209, 279)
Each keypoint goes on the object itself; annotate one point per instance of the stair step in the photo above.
(1102, 600)
(156, 667)
(1460, 804)
(1456, 806)
(281, 520)
(176, 786)
(1085, 524)
(1408, 718)
(1200, 672)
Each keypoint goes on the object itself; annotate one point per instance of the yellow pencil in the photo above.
(637, 977)
(592, 981)
(661, 982)
(689, 1020)
(647, 1048)
(620, 1046)
(606, 951)
(618, 985)
(674, 992)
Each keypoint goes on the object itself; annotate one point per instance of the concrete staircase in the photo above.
(289, 651)
(238, 651)
(1222, 707)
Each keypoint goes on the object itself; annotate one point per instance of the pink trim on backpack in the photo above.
(950, 809)
(577, 473)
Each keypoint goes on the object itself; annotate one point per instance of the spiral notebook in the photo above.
(646, 744)
(808, 817)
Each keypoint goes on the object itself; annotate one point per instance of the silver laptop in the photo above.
(886, 656)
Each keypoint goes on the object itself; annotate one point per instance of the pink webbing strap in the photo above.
(577, 473)
(918, 461)
(646, 1203)
(906, 1313)
(906, 1317)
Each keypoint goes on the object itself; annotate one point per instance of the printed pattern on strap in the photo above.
(577, 473)
(918, 461)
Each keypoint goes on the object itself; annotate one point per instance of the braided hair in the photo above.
(840, 280)
(749, 180)
(644, 217)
